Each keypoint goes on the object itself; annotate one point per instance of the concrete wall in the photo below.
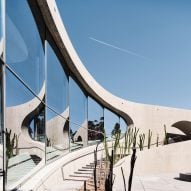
(142, 116)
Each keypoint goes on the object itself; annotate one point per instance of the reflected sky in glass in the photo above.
(16, 92)
(95, 120)
(24, 50)
(57, 84)
(110, 120)
(78, 105)
(123, 125)
(1, 27)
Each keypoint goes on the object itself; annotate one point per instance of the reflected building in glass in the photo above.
(48, 111)
(50, 105)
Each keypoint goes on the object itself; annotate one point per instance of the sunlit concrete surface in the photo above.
(156, 182)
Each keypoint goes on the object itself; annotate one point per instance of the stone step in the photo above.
(85, 172)
(80, 176)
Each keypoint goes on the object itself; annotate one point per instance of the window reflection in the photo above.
(123, 126)
(1, 126)
(57, 131)
(78, 116)
(95, 122)
(25, 133)
(111, 123)
(24, 48)
(57, 125)
(1, 29)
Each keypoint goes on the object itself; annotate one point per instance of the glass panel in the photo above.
(24, 49)
(78, 116)
(1, 127)
(25, 133)
(111, 123)
(123, 126)
(57, 99)
(95, 122)
(57, 131)
(1, 29)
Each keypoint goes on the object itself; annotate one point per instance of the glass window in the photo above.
(78, 116)
(95, 122)
(24, 48)
(1, 27)
(111, 123)
(57, 125)
(25, 133)
(123, 126)
(1, 126)
(57, 132)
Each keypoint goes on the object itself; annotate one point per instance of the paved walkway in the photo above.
(160, 182)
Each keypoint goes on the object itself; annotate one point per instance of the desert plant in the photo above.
(109, 178)
(116, 144)
(133, 159)
(149, 138)
(10, 143)
(157, 143)
(134, 134)
(165, 136)
(141, 141)
(106, 147)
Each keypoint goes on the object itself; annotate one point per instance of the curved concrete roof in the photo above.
(141, 115)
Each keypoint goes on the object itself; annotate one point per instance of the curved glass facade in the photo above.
(78, 116)
(24, 47)
(48, 111)
(57, 113)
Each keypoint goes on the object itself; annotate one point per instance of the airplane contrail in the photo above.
(120, 49)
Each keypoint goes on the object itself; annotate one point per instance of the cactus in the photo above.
(10, 142)
(141, 141)
(157, 143)
(116, 144)
(16, 144)
(135, 136)
(130, 140)
(149, 138)
(106, 147)
(126, 141)
(165, 137)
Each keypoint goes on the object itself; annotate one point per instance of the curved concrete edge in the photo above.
(141, 115)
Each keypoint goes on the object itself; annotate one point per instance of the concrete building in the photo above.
(46, 96)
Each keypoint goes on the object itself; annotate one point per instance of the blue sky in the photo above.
(139, 50)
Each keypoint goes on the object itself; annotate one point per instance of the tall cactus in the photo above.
(157, 143)
(10, 142)
(135, 136)
(165, 136)
(149, 138)
(141, 141)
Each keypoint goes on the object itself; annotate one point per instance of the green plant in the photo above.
(157, 143)
(106, 147)
(165, 136)
(149, 138)
(141, 141)
(10, 143)
(130, 138)
(134, 134)
(116, 144)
